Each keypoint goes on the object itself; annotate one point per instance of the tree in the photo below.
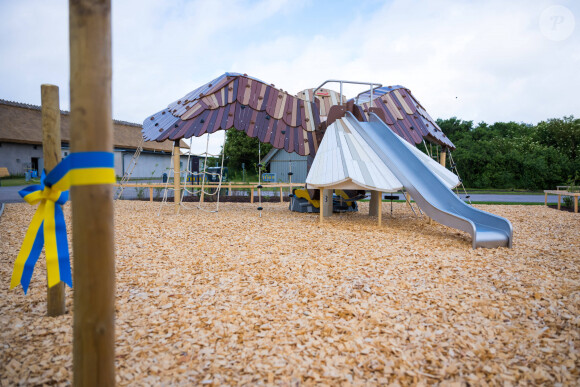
(562, 134)
(516, 155)
(454, 128)
(240, 148)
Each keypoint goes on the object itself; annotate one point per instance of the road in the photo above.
(10, 195)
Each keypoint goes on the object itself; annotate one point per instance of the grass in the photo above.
(15, 181)
(506, 191)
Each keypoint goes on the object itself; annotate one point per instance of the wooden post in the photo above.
(321, 205)
(252, 196)
(281, 195)
(576, 204)
(442, 157)
(374, 203)
(380, 208)
(150, 194)
(545, 198)
(92, 205)
(230, 188)
(326, 202)
(51, 152)
(176, 175)
(559, 200)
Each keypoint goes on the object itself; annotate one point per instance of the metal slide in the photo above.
(428, 191)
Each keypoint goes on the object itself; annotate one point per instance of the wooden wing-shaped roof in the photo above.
(401, 111)
(326, 99)
(244, 103)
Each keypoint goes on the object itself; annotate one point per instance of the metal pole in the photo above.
(51, 152)
(92, 205)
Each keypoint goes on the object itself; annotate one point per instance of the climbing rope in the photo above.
(129, 171)
(290, 174)
(166, 188)
(456, 171)
(203, 176)
(426, 148)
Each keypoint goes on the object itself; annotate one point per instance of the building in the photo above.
(21, 143)
(282, 162)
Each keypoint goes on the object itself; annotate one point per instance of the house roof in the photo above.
(22, 123)
(269, 156)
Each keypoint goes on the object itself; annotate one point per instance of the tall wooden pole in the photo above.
(51, 154)
(176, 175)
(92, 206)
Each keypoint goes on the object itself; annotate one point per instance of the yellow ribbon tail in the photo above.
(27, 245)
(50, 249)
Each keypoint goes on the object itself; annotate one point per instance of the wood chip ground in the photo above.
(229, 298)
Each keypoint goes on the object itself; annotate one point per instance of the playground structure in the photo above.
(299, 124)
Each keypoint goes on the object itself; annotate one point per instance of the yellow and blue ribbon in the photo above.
(48, 227)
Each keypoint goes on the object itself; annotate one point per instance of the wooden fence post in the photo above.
(92, 205)
(51, 153)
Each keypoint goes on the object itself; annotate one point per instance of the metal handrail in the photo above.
(371, 84)
(366, 91)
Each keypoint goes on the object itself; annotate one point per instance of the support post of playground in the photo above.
(380, 208)
(374, 204)
(321, 205)
(51, 152)
(326, 202)
(92, 205)
(443, 156)
(176, 175)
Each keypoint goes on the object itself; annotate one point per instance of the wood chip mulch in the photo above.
(229, 298)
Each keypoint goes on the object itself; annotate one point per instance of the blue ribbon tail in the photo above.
(62, 246)
(32, 258)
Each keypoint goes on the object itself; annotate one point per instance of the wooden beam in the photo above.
(150, 194)
(326, 202)
(442, 157)
(51, 153)
(281, 196)
(321, 205)
(92, 205)
(176, 175)
(576, 204)
(559, 200)
(380, 208)
(374, 203)
(545, 198)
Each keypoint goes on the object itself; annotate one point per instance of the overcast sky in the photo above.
(481, 60)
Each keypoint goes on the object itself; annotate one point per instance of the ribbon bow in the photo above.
(48, 227)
